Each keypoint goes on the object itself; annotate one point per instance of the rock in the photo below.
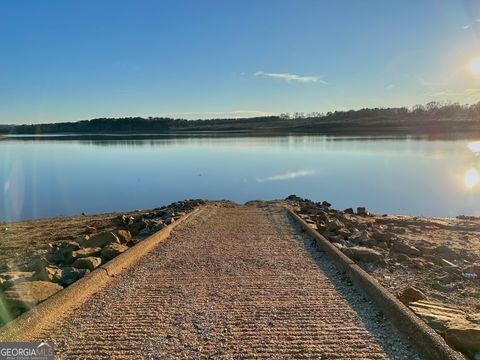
(113, 250)
(464, 337)
(90, 230)
(328, 234)
(339, 246)
(436, 314)
(411, 294)
(348, 211)
(343, 232)
(364, 254)
(334, 224)
(38, 263)
(61, 253)
(100, 240)
(383, 236)
(69, 275)
(26, 295)
(124, 236)
(169, 220)
(446, 252)
(362, 211)
(360, 237)
(12, 278)
(337, 239)
(89, 263)
(137, 226)
(401, 247)
(49, 273)
(86, 252)
(326, 204)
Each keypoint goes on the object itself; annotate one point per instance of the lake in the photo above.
(45, 177)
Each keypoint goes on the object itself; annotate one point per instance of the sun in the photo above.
(475, 66)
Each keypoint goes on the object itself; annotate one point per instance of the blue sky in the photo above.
(66, 60)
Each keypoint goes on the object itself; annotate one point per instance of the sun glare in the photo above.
(475, 66)
(474, 146)
(472, 177)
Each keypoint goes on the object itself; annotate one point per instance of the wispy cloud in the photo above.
(287, 176)
(389, 87)
(468, 26)
(428, 83)
(290, 77)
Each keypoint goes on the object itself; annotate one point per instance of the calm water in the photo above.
(42, 178)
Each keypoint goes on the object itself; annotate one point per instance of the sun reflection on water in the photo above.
(474, 146)
(472, 177)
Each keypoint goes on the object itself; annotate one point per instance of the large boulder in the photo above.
(411, 294)
(364, 254)
(464, 337)
(437, 315)
(12, 278)
(113, 250)
(86, 252)
(62, 252)
(89, 263)
(138, 226)
(49, 273)
(334, 224)
(69, 275)
(100, 240)
(360, 237)
(124, 236)
(26, 295)
(401, 247)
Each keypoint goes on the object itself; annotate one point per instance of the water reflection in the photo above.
(289, 175)
(53, 177)
(471, 178)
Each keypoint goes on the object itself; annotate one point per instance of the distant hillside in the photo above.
(430, 119)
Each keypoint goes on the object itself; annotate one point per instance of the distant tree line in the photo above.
(433, 116)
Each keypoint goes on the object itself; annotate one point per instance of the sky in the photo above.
(73, 60)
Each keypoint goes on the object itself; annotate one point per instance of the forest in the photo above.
(433, 118)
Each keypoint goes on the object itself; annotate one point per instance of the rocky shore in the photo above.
(39, 258)
(432, 265)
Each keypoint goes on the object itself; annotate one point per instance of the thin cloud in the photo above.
(287, 176)
(389, 87)
(290, 77)
(429, 83)
(468, 26)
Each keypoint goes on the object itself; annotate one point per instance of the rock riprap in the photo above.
(428, 263)
(25, 295)
(70, 260)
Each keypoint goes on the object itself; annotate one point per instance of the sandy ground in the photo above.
(231, 282)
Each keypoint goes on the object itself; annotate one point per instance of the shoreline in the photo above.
(341, 135)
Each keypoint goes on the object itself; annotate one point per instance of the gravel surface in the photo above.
(231, 282)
